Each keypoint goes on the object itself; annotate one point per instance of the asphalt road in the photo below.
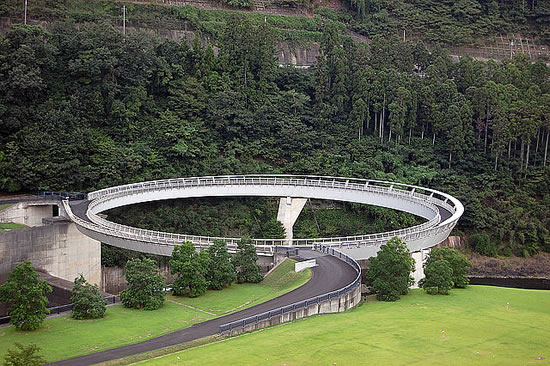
(330, 274)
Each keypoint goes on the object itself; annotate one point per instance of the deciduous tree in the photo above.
(389, 272)
(26, 293)
(145, 285)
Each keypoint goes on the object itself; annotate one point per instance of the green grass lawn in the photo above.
(241, 296)
(64, 337)
(10, 226)
(5, 205)
(479, 330)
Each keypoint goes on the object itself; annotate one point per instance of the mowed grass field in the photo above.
(479, 329)
(64, 337)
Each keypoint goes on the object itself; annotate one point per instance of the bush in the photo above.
(245, 262)
(24, 356)
(221, 272)
(439, 276)
(389, 272)
(191, 267)
(481, 243)
(87, 300)
(27, 295)
(458, 262)
(146, 285)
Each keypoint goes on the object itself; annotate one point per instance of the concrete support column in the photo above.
(289, 210)
(420, 259)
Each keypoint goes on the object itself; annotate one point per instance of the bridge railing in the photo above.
(174, 238)
(241, 323)
(296, 180)
(404, 191)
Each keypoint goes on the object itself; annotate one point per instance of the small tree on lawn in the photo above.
(146, 285)
(458, 262)
(191, 268)
(87, 300)
(24, 356)
(26, 293)
(245, 262)
(439, 276)
(389, 272)
(222, 271)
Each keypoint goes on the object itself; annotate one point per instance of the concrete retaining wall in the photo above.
(58, 248)
(335, 305)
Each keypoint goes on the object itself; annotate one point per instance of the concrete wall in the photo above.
(335, 305)
(57, 248)
(27, 213)
(113, 279)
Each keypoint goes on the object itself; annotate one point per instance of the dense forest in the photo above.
(449, 22)
(84, 107)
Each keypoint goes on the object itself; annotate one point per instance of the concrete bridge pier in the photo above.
(289, 210)
(420, 259)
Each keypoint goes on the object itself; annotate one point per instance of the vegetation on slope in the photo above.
(65, 337)
(85, 108)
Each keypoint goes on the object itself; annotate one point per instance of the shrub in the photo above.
(389, 272)
(87, 300)
(27, 295)
(458, 262)
(146, 285)
(481, 243)
(245, 262)
(439, 276)
(24, 356)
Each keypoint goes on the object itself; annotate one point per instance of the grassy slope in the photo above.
(64, 337)
(10, 226)
(241, 296)
(478, 330)
(5, 205)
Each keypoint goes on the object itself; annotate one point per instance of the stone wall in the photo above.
(57, 248)
(335, 305)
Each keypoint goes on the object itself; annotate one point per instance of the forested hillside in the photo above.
(83, 107)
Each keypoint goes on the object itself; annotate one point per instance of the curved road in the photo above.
(330, 274)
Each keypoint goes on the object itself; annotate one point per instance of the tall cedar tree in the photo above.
(26, 293)
(191, 267)
(460, 265)
(439, 277)
(389, 272)
(245, 262)
(221, 272)
(146, 285)
(87, 300)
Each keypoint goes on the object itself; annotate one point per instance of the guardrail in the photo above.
(430, 198)
(112, 299)
(303, 303)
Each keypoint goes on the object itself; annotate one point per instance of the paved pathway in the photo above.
(330, 274)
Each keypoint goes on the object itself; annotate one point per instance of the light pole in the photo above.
(25, 19)
(123, 19)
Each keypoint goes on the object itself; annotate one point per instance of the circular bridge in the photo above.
(441, 210)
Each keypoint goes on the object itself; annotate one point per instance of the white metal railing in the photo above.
(424, 196)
